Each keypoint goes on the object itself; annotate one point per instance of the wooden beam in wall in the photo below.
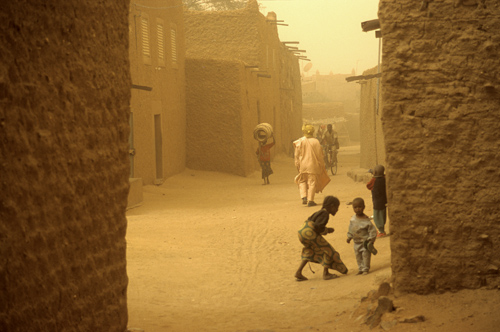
(141, 87)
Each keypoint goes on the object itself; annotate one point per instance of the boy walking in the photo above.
(362, 231)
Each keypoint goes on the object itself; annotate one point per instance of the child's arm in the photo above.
(372, 233)
(328, 230)
(370, 184)
(349, 234)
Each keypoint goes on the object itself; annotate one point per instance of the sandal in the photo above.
(370, 247)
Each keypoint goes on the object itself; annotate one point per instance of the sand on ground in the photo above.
(209, 251)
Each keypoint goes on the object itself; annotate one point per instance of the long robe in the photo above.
(309, 159)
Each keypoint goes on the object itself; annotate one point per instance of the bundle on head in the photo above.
(263, 132)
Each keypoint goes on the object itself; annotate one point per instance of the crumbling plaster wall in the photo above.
(64, 96)
(441, 120)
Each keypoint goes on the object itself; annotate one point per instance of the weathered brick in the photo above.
(441, 96)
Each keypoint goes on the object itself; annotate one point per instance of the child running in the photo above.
(362, 231)
(316, 248)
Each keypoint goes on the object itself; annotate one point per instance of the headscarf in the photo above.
(308, 130)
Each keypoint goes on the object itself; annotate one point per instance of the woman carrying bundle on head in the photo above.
(262, 133)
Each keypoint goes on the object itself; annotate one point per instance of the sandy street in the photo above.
(215, 252)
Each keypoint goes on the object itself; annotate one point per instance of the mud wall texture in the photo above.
(157, 62)
(254, 79)
(290, 89)
(372, 144)
(217, 123)
(441, 120)
(64, 94)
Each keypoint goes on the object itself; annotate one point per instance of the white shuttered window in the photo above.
(173, 41)
(161, 42)
(146, 49)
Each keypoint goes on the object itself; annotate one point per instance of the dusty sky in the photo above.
(330, 32)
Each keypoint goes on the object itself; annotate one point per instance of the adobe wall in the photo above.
(64, 91)
(157, 61)
(372, 144)
(255, 79)
(219, 35)
(441, 91)
(215, 137)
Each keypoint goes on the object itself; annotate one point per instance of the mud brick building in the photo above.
(441, 119)
(238, 74)
(158, 112)
(64, 112)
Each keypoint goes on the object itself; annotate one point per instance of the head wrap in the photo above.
(308, 130)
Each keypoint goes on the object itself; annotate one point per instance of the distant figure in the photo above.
(379, 199)
(330, 137)
(310, 163)
(264, 155)
(330, 140)
(362, 231)
(321, 131)
(316, 248)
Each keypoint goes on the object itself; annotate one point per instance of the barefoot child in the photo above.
(362, 231)
(316, 248)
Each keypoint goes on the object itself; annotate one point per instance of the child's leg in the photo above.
(327, 275)
(359, 256)
(298, 275)
(367, 257)
(379, 219)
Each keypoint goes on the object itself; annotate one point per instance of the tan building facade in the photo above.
(331, 88)
(157, 63)
(65, 90)
(372, 144)
(238, 74)
(441, 93)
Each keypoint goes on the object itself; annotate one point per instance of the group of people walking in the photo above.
(309, 158)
